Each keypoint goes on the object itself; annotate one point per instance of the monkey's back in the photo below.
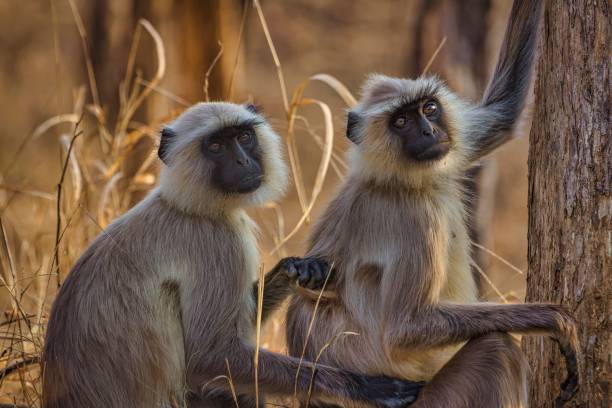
(104, 331)
(117, 323)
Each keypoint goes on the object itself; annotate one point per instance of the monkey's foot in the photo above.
(386, 392)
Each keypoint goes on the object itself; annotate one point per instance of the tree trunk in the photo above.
(570, 205)
(192, 30)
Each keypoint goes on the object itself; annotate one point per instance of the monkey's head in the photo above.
(219, 156)
(406, 128)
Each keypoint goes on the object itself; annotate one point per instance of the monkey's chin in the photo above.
(434, 153)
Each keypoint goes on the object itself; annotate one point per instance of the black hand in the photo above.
(308, 272)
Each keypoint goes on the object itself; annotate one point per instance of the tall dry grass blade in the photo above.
(321, 171)
(147, 164)
(336, 153)
(17, 309)
(40, 129)
(260, 293)
(336, 160)
(294, 161)
(126, 84)
(290, 110)
(499, 258)
(245, 11)
(319, 354)
(58, 213)
(231, 383)
(75, 170)
(433, 57)
(134, 103)
(93, 86)
(105, 198)
(279, 70)
(56, 56)
(337, 86)
(19, 365)
(10, 279)
(280, 223)
(490, 282)
(164, 92)
(308, 331)
(32, 193)
(212, 66)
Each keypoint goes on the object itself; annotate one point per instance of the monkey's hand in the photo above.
(567, 338)
(388, 392)
(308, 272)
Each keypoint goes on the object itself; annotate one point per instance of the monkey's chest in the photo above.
(458, 284)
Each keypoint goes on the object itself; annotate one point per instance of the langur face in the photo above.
(220, 154)
(421, 130)
(236, 155)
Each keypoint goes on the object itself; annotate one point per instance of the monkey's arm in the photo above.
(280, 282)
(489, 124)
(283, 375)
(446, 323)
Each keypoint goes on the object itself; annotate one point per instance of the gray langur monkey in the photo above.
(163, 301)
(396, 234)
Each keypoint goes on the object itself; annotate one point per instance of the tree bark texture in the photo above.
(570, 205)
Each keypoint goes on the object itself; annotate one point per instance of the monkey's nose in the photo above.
(427, 133)
(243, 161)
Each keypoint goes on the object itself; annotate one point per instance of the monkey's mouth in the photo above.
(435, 152)
(248, 184)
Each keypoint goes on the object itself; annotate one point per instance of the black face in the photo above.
(421, 129)
(237, 157)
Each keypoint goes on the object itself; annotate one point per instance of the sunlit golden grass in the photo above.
(105, 169)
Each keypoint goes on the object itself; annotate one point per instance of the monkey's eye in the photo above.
(214, 147)
(245, 138)
(430, 108)
(399, 122)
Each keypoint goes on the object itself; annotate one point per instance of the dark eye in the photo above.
(430, 108)
(245, 138)
(399, 122)
(214, 147)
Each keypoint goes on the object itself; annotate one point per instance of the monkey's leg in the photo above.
(489, 371)
(277, 375)
(446, 323)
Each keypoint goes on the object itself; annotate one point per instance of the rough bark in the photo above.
(570, 204)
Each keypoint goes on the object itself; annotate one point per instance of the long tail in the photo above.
(505, 97)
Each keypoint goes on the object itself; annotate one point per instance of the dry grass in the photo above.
(105, 169)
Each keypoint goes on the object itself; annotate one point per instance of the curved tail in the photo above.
(504, 98)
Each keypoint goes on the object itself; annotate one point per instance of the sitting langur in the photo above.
(163, 301)
(397, 237)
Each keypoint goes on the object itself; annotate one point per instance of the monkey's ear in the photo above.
(252, 108)
(167, 135)
(352, 124)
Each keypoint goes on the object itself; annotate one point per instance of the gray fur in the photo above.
(396, 234)
(158, 301)
(163, 301)
(503, 101)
